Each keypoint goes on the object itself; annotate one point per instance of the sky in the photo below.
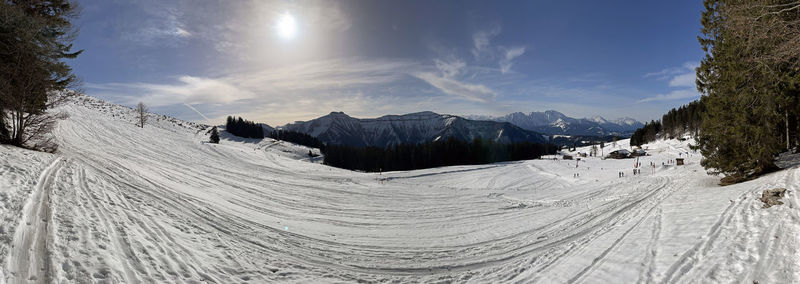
(283, 61)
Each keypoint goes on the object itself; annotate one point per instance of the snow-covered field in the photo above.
(120, 203)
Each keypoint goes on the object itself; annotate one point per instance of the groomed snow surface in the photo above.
(120, 203)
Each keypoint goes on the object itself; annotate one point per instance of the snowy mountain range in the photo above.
(339, 128)
(552, 122)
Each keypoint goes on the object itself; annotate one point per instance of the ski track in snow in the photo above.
(126, 204)
(29, 256)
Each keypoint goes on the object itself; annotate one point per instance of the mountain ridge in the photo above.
(413, 128)
(552, 122)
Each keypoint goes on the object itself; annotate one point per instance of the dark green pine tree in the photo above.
(738, 133)
(214, 138)
(35, 41)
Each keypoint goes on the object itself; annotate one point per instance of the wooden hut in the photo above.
(620, 154)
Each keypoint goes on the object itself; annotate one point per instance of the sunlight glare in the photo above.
(286, 26)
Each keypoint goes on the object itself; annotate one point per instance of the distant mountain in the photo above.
(552, 122)
(267, 128)
(339, 128)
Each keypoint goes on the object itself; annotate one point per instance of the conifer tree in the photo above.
(244, 128)
(214, 138)
(35, 37)
(745, 96)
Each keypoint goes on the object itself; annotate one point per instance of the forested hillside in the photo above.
(243, 128)
(449, 152)
(674, 124)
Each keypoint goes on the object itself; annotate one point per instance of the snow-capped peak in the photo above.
(560, 123)
(599, 119)
(552, 114)
(627, 121)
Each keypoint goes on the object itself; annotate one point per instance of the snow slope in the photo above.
(126, 204)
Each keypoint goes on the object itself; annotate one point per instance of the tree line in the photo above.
(750, 79)
(685, 119)
(296, 138)
(35, 38)
(647, 133)
(244, 128)
(447, 152)
(574, 141)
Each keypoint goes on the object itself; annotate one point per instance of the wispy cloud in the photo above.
(673, 95)
(450, 68)
(325, 75)
(483, 50)
(510, 54)
(322, 75)
(158, 24)
(473, 92)
(682, 77)
(667, 73)
(481, 41)
(683, 80)
(326, 14)
(187, 90)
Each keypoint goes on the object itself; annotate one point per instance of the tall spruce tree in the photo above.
(746, 97)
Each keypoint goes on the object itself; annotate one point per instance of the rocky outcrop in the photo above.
(772, 197)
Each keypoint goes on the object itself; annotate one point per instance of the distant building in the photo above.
(619, 154)
(567, 157)
(679, 161)
(638, 152)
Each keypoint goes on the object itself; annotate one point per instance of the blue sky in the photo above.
(198, 58)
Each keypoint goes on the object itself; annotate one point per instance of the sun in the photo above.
(286, 26)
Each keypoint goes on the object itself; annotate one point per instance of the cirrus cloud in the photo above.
(673, 95)
(510, 54)
(187, 89)
(473, 92)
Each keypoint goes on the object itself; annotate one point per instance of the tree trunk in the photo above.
(795, 130)
(18, 138)
(788, 146)
(3, 129)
